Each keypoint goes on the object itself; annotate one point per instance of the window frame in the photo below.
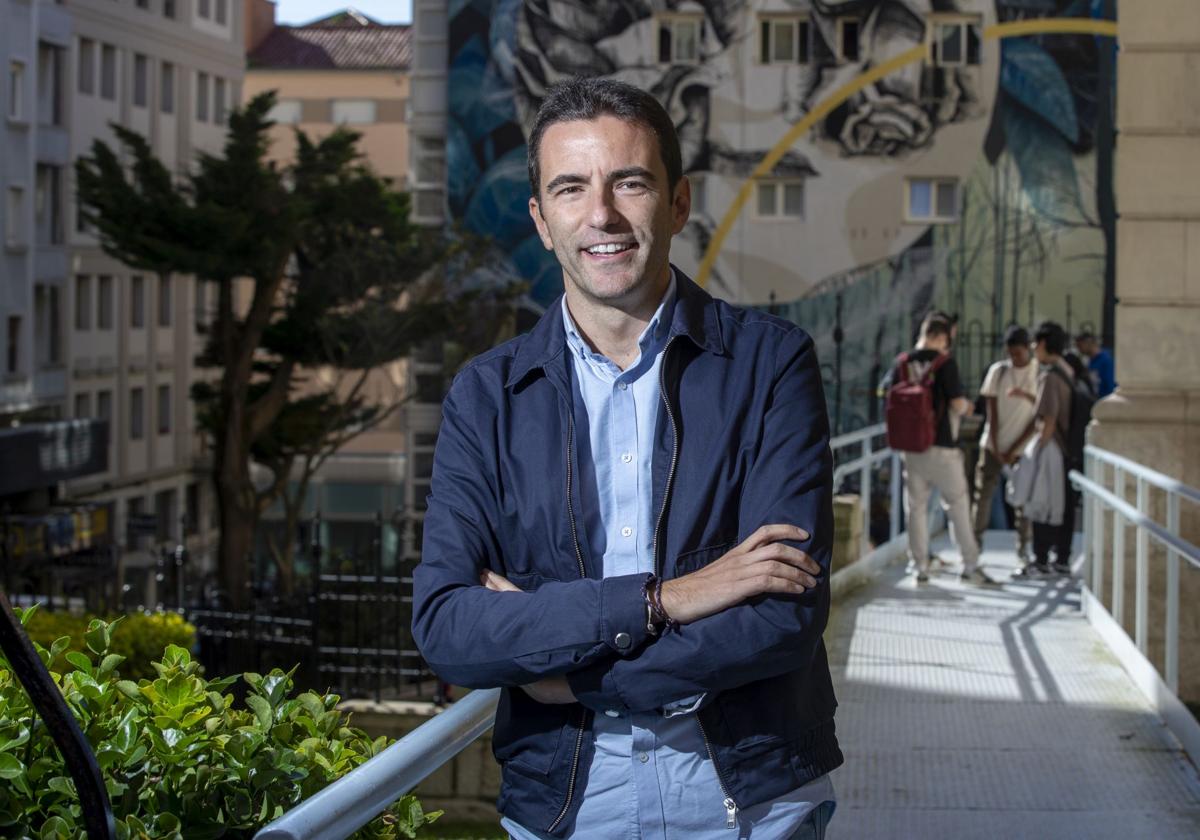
(780, 185)
(933, 25)
(935, 217)
(104, 302)
(675, 20)
(202, 109)
(15, 235)
(141, 84)
(83, 302)
(801, 43)
(162, 409)
(164, 301)
(839, 48)
(16, 90)
(333, 111)
(137, 302)
(137, 413)
(108, 88)
(166, 88)
(85, 67)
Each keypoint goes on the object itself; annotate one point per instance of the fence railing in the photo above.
(355, 799)
(1104, 484)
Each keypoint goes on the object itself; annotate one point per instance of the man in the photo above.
(642, 484)
(1053, 413)
(941, 465)
(1099, 362)
(1009, 389)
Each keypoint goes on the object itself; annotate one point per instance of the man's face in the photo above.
(606, 209)
(1019, 353)
(1086, 346)
(1039, 350)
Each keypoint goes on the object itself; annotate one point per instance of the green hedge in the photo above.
(180, 759)
(140, 638)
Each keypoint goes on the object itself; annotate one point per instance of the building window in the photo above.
(108, 72)
(204, 8)
(137, 414)
(954, 42)
(199, 304)
(286, 112)
(104, 302)
(83, 302)
(87, 66)
(50, 84)
(47, 324)
(932, 200)
(219, 100)
(16, 90)
(104, 405)
(164, 301)
(141, 81)
(847, 39)
(164, 512)
(353, 111)
(164, 409)
(167, 91)
(680, 38)
(83, 405)
(202, 97)
(783, 40)
(137, 302)
(222, 9)
(13, 342)
(781, 199)
(47, 210)
(14, 218)
(191, 508)
(169, 9)
(429, 202)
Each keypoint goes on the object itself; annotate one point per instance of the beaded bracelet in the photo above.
(655, 612)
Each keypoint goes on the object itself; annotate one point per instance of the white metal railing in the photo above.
(1102, 497)
(354, 800)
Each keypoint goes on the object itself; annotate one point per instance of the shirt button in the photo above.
(627, 532)
(642, 757)
(622, 641)
(612, 713)
(623, 385)
(627, 457)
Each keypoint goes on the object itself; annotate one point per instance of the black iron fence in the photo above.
(345, 627)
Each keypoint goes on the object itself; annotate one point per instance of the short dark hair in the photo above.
(1016, 334)
(933, 326)
(589, 99)
(1086, 335)
(1053, 335)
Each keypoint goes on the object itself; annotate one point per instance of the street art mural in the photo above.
(968, 177)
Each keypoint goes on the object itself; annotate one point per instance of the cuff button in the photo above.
(622, 641)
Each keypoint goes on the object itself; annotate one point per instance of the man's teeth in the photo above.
(611, 248)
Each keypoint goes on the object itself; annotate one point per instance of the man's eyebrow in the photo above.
(631, 172)
(568, 178)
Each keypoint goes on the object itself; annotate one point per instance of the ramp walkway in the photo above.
(995, 713)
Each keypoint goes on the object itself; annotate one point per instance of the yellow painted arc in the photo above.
(1044, 26)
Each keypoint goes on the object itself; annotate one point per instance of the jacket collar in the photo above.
(695, 316)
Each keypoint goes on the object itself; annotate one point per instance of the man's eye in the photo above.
(566, 190)
(633, 185)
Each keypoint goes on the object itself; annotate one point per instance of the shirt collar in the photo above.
(655, 332)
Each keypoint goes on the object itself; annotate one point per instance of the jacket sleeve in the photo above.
(791, 483)
(471, 636)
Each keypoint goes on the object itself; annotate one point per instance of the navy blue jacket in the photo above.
(743, 442)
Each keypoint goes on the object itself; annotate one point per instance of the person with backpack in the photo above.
(922, 391)
(1063, 410)
(1009, 389)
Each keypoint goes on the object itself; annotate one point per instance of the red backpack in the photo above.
(911, 420)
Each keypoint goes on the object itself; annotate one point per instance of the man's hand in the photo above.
(761, 564)
(551, 690)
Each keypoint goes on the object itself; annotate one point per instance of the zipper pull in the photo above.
(730, 813)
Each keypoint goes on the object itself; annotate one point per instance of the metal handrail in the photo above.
(355, 799)
(1101, 499)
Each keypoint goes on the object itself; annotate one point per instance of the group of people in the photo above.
(1037, 403)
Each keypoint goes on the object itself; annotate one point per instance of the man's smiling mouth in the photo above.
(609, 248)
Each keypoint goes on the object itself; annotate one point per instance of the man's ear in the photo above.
(539, 221)
(681, 203)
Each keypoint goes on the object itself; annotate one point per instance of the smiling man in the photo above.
(631, 520)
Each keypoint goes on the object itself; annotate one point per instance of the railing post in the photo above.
(1088, 560)
(1098, 536)
(896, 500)
(864, 484)
(1118, 583)
(1141, 581)
(1172, 629)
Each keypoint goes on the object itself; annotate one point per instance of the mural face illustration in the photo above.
(606, 210)
(736, 81)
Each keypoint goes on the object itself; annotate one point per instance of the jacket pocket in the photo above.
(696, 559)
(529, 734)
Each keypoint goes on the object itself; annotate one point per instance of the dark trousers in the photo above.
(1057, 537)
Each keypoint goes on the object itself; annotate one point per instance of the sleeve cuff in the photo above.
(623, 613)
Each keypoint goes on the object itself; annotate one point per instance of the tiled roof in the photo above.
(349, 42)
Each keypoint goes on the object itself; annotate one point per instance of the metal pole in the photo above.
(1088, 559)
(1141, 581)
(1172, 629)
(314, 549)
(377, 600)
(1118, 583)
(1098, 537)
(864, 484)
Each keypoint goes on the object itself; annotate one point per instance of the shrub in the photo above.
(179, 757)
(140, 638)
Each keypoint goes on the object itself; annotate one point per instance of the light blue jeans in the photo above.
(818, 820)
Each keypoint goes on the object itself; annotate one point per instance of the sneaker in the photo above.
(922, 577)
(1032, 571)
(977, 577)
(1061, 568)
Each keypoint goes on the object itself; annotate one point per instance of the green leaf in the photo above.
(80, 661)
(262, 710)
(110, 662)
(129, 689)
(10, 766)
(60, 644)
(63, 785)
(98, 637)
(55, 828)
(13, 736)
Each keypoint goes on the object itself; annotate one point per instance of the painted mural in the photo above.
(968, 176)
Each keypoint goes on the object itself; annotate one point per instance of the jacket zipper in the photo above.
(582, 574)
(731, 807)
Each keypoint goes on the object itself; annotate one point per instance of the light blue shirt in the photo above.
(651, 777)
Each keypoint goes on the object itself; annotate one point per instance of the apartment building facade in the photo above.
(170, 70)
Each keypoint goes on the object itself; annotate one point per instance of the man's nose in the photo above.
(603, 214)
